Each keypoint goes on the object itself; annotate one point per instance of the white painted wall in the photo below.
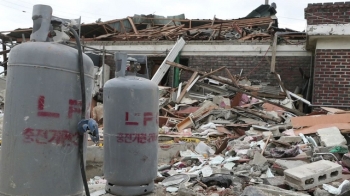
(333, 43)
(209, 49)
(328, 29)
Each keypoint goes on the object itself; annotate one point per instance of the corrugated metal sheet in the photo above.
(118, 27)
(138, 19)
(177, 17)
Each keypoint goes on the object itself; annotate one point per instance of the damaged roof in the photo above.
(260, 24)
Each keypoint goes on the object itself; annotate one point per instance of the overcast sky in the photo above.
(17, 13)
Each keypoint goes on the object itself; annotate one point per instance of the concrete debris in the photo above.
(321, 192)
(230, 140)
(258, 159)
(339, 190)
(331, 137)
(314, 174)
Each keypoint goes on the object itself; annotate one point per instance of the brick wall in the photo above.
(328, 13)
(286, 66)
(332, 77)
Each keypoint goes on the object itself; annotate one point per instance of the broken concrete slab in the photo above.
(289, 164)
(277, 181)
(166, 152)
(258, 159)
(275, 191)
(346, 160)
(252, 190)
(321, 192)
(331, 137)
(290, 139)
(311, 175)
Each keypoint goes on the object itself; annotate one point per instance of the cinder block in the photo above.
(311, 175)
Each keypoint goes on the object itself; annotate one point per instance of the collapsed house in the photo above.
(246, 107)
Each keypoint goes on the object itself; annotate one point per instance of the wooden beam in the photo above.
(212, 23)
(200, 72)
(4, 52)
(133, 25)
(230, 75)
(234, 88)
(210, 73)
(184, 90)
(105, 29)
(282, 85)
(273, 56)
(122, 26)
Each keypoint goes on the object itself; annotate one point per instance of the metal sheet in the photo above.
(158, 76)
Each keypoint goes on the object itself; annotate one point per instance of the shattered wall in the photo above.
(255, 68)
(327, 13)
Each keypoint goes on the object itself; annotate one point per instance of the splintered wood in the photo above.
(242, 29)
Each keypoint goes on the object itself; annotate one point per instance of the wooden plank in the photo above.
(234, 88)
(306, 121)
(212, 23)
(158, 76)
(105, 29)
(282, 85)
(199, 72)
(259, 114)
(4, 52)
(133, 25)
(122, 26)
(314, 128)
(230, 75)
(273, 55)
(210, 73)
(184, 91)
(333, 110)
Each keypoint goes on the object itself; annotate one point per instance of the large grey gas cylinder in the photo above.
(39, 151)
(130, 133)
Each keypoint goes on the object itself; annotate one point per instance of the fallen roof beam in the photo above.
(201, 73)
(234, 87)
(133, 25)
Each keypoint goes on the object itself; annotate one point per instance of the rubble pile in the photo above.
(230, 141)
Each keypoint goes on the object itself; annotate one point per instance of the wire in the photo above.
(262, 58)
(12, 7)
(90, 13)
(83, 109)
(290, 18)
(56, 10)
(327, 18)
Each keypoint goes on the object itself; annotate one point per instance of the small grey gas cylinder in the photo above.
(130, 132)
